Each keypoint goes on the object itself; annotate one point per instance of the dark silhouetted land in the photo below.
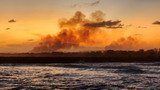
(152, 55)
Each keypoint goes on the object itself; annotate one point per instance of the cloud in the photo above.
(7, 28)
(141, 27)
(36, 34)
(95, 3)
(12, 21)
(30, 40)
(156, 22)
(108, 24)
(87, 4)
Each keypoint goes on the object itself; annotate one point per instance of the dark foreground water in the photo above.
(112, 76)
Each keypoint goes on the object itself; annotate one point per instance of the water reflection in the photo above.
(80, 76)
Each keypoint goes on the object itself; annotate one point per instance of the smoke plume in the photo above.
(77, 32)
(129, 43)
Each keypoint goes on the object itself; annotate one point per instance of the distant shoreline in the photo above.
(73, 60)
(152, 55)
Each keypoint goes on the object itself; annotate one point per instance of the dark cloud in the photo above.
(108, 24)
(7, 28)
(95, 3)
(37, 34)
(156, 22)
(30, 40)
(12, 21)
(141, 27)
(87, 4)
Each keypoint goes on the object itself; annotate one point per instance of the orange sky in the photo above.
(37, 18)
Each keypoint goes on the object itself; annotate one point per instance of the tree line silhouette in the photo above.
(152, 55)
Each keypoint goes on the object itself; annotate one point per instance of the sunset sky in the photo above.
(24, 22)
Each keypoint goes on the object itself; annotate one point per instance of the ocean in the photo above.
(81, 76)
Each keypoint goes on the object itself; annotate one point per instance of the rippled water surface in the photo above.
(80, 76)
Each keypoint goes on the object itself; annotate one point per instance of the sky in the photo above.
(23, 23)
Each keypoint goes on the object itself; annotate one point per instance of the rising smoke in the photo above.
(77, 32)
(129, 43)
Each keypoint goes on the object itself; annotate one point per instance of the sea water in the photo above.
(81, 76)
